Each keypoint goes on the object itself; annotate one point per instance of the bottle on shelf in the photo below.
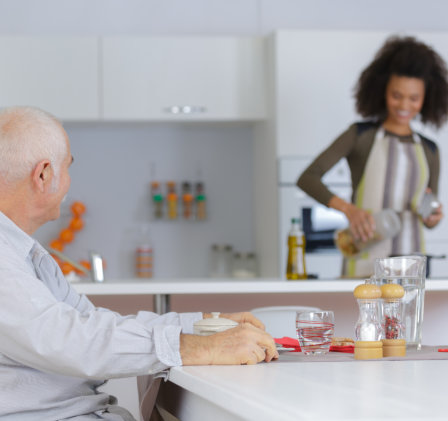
(171, 200)
(221, 261)
(157, 200)
(295, 266)
(187, 201)
(144, 259)
(244, 265)
(201, 206)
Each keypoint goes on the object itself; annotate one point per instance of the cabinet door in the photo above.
(59, 75)
(183, 78)
(316, 72)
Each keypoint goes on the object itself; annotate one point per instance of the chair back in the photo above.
(280, 320)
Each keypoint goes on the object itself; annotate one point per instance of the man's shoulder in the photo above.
(10, 256)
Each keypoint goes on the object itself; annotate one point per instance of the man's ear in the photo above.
(42, 175)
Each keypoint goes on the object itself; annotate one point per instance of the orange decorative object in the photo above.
(78, 208)
(57, 245)
(66, 235)
(66, 268)
(84, 263)
(76, 223)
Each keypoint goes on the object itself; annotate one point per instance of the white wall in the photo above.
(112, 169)
(255, 17)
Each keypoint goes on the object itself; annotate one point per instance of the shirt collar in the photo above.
(16, 237)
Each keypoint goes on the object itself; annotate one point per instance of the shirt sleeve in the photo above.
(41, 332)
(310, 181)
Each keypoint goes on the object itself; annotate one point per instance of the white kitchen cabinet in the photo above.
(59, 75)
(315, 73)
(188, 78)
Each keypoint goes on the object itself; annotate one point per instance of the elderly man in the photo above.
(56, 348)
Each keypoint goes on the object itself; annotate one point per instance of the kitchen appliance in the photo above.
(319, 223)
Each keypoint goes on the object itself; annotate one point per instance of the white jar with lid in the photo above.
(213, 325)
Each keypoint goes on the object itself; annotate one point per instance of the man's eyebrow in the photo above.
(73, 160)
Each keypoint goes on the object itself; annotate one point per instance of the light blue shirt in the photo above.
(56, 348)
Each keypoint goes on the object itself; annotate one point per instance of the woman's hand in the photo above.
(362, 224)
(432, 220)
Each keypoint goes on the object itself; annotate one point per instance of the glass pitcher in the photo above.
(410, 273)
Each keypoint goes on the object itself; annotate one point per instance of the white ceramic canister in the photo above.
(213, 325)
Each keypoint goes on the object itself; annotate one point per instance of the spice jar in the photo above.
(157, 200)
(201, 204)
(368, 330)
(144, 254)
(394, 343)
(187, 201)
(171, 200)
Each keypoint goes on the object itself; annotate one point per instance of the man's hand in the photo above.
(243, 344)
(243, 317)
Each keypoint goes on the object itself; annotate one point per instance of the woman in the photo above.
(391, 165)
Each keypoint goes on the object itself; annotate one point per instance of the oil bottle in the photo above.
(295, 266)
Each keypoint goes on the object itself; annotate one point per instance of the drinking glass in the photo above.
(314, 331)
(410, 273)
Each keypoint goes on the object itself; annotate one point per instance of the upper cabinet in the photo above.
(188, 78)
(59, 75)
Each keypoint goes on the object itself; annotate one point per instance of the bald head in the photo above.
(27, 136)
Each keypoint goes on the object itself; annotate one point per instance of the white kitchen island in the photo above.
(334, 294)
(292, 389)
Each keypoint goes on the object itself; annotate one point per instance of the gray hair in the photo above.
(27, 136)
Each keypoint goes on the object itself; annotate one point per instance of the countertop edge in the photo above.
(227, 286)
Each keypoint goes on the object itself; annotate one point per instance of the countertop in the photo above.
(294, 389)
(134, 286)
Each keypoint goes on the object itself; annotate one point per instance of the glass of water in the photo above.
(314, 331)
(410, 273)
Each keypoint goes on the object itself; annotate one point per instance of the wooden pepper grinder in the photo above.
(394, 344)
(368, 330)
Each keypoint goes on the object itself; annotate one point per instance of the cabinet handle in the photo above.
(185, 109)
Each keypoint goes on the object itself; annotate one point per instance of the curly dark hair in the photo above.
(404, 56)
